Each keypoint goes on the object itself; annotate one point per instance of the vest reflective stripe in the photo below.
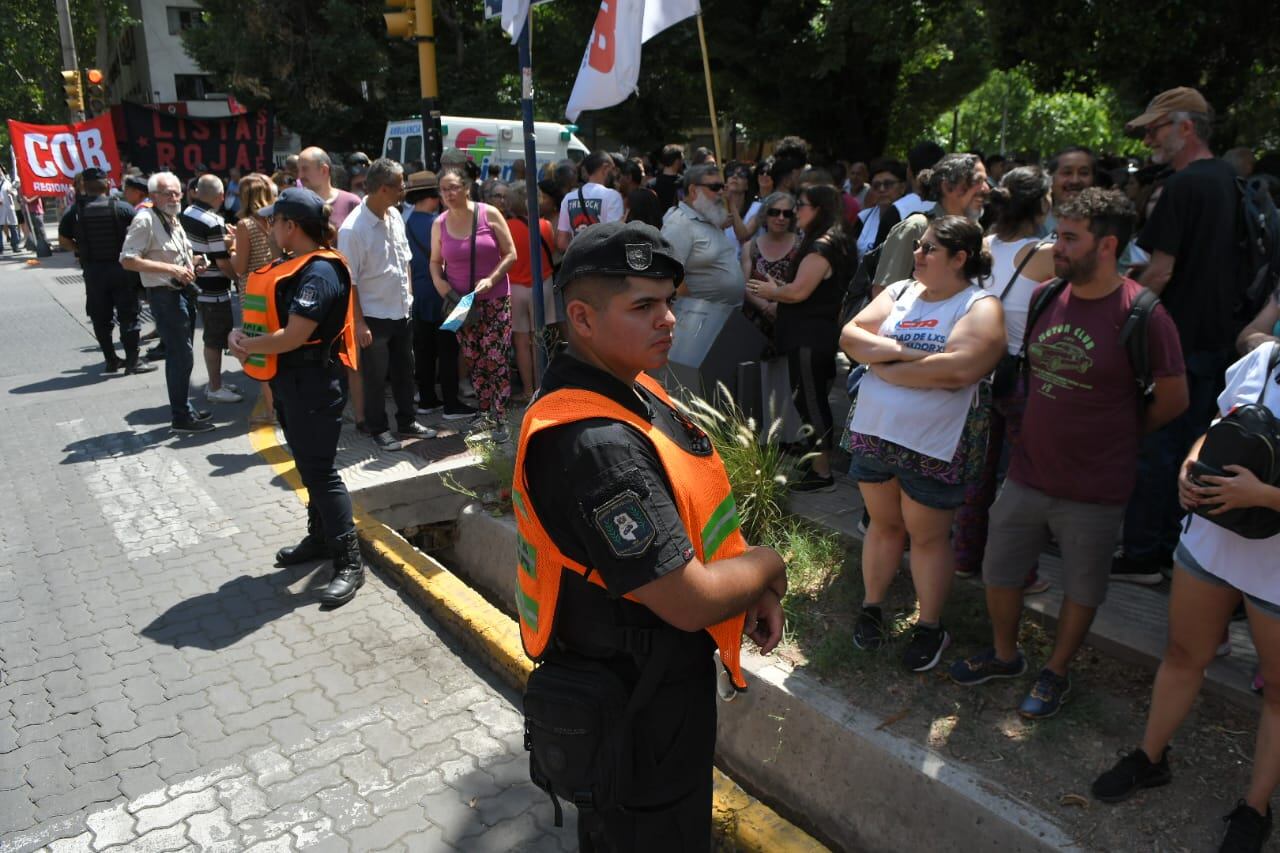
(704, 500)
(262, 315)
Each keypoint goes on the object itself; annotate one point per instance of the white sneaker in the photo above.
(223, 395)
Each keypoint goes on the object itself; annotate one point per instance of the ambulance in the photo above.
(487, 141)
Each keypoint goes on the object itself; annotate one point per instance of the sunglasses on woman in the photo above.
(926, 248)
(777, 211)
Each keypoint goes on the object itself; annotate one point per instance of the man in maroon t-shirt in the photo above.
(1076, 461)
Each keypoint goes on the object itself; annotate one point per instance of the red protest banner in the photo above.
(51, 155)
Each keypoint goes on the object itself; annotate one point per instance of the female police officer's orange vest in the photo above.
(262, 315)
(703, 498)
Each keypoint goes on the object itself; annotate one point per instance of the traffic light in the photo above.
(400, 24)
(95, 91)
(75, 93)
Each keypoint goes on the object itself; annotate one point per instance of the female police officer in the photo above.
(297, 328)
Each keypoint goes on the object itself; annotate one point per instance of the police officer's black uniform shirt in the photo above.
(602, 494)
(69, 226)
(319, 294)
(601, 491)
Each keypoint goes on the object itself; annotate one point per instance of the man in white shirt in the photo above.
(592, 202)
(695, 230)
(373, 240)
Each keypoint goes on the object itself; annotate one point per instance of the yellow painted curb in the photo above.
(746, 824)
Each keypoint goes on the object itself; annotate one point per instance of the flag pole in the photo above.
(525, 44)
(711, 98)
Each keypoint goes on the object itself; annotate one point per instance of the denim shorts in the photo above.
(925, 491)
(1182, 558)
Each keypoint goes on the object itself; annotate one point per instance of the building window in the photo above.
(191, 87)
(183, 18)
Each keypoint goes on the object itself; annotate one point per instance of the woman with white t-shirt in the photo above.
(1213, 568)
(1020, 262)
(918, 432)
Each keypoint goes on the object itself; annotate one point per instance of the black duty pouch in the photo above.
(578, 714)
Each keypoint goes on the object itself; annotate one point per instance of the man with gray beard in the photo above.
(695, 230)
(156, 247)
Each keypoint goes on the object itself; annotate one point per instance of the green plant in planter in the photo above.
(758, 469)
(499, 461)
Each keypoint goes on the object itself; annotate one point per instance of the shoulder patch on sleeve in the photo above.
(625, 524)
(307, 296)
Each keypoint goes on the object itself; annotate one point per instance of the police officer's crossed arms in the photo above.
(632, 570)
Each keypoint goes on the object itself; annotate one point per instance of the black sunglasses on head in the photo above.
(715, 188)
(777, 211)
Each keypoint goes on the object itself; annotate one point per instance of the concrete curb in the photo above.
(744, 821)
(819, 758)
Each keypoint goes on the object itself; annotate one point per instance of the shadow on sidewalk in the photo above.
(218, 619)
(91, 375)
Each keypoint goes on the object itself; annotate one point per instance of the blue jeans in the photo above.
(1151, 522)
(175, 315)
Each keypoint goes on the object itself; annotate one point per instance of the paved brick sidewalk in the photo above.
(165, 688)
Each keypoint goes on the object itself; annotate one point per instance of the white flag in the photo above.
(514, 15)
(611, 64)
(660, 14)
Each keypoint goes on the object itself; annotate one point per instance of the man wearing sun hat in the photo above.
(1191, 237)
(631, 566)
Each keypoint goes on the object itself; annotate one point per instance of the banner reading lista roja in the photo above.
(51, 155)
(186, 145)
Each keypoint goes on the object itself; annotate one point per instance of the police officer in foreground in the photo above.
(631, 567)
(94, 228)
(299, 335)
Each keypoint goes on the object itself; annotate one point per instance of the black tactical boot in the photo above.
(311, 547)
(348, 570)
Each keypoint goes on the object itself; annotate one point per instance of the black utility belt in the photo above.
(315, 356)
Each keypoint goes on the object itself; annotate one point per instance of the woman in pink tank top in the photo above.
(486, 341)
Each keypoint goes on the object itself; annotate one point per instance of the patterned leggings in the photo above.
(486, 343)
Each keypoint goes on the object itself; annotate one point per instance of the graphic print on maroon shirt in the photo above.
(1083, 422)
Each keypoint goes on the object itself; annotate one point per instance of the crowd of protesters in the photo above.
(979, 300)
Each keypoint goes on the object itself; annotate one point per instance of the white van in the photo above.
(488, 141)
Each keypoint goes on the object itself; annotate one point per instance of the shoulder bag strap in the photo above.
(475, 225)
(582, 201)
(1017, 272)
(1050, 293)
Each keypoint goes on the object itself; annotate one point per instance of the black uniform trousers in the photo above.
(667, 801)
(111, 297)
(309, 400)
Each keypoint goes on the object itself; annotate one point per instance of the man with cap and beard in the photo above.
(1191, 237)
(695, 230)
(95, 228)
(631, 566)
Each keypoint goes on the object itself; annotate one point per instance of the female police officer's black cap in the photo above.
(619, 249)
(296, 203)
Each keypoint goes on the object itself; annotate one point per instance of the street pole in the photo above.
(425, 37)
(67, 35)
(525, 47)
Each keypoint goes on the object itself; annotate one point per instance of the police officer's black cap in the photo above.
(93, 174)
(297, 203)
(619, 249)
(137, 182)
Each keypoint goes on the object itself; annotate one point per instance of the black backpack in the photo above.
(1260, 245)
(1249, 436)
(1133, 334)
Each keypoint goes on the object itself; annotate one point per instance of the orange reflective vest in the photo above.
(703, 496)
(262, 314)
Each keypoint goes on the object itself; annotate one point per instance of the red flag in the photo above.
(51, 155)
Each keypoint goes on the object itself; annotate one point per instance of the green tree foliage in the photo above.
(1229, 50)
(1007, 113)
(33, 55)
